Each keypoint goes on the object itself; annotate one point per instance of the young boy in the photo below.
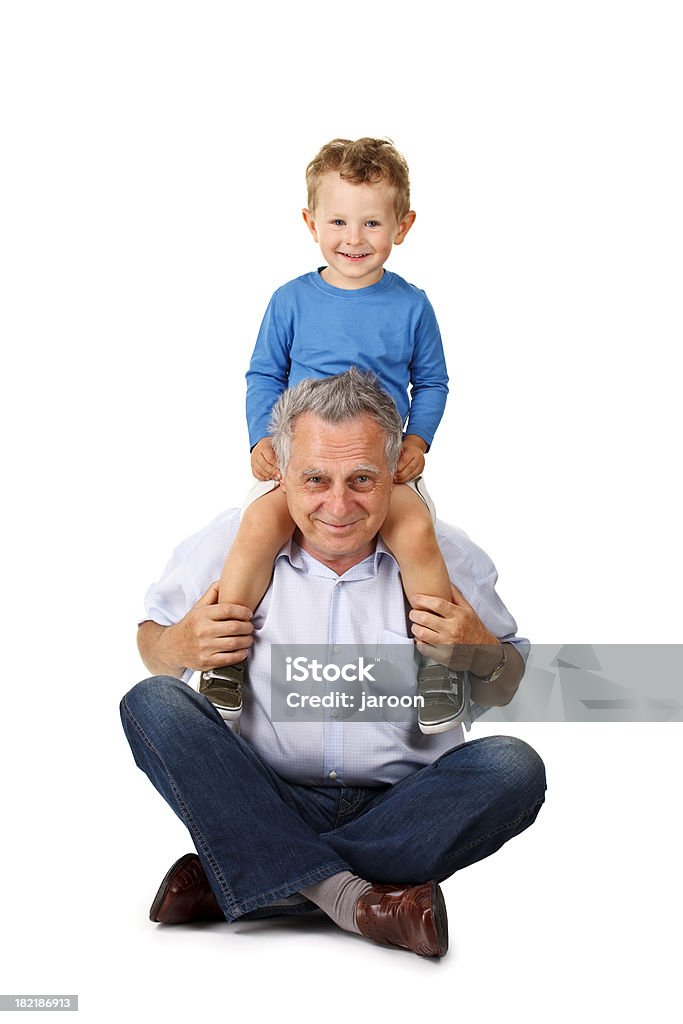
(349, 312)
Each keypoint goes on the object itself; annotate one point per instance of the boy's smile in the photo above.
(356, 228)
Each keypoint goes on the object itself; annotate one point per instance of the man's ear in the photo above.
(405, 225)
(310, 223)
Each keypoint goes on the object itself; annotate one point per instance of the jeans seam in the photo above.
(192, 826)
(496, 831)
(310, 878)
(343, 816)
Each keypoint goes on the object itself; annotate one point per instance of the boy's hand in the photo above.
(263, 463)
(411, 460)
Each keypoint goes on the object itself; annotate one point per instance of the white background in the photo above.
(151, 186)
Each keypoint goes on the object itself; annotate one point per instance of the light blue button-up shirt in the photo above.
(308, 603)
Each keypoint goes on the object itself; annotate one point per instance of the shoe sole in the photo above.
(444, 726)
(228, 714)
(440, 919)
(162, 892)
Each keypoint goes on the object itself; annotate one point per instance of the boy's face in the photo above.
(356, 228)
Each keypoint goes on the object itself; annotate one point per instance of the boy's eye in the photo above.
(373, 223)
(338, 223)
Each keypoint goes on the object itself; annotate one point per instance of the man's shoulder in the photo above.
(194, 565)
(219, 534)
(460, 551)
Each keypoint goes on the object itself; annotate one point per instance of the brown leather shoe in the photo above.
(185, 895)
(413, 918)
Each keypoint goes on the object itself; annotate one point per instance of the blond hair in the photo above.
(365, 160)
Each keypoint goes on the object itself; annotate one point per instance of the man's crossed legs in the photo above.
(261, 840)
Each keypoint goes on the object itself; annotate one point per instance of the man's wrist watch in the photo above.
(497, 671)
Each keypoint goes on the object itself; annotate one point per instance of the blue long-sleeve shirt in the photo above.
(312, 329)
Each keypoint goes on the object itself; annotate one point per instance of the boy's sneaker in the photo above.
(445, 698)
(223, 687)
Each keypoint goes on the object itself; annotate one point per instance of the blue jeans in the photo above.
(260, 839)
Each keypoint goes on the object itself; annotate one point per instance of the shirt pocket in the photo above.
(395, 686)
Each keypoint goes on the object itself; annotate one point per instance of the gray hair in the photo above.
(346, 396)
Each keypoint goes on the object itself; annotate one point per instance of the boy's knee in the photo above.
(411, 523)
(267, 509)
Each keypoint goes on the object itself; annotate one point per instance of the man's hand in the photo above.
(263, 462)
(209, 636)
(411, 461)
(453, 634)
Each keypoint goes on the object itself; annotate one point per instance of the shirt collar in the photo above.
(300, 559)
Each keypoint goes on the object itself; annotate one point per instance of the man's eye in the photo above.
(314, 479)
(362, 479)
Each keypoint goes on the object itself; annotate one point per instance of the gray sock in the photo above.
(337, 897)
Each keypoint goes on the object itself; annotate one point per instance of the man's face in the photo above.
(338, 487)
(355, 226)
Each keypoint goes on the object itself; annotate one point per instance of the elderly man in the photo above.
(359, 818)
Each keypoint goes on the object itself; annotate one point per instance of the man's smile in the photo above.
(337, 526)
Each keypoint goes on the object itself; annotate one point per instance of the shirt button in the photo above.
(336, 649)
(332, 775)
(334, 714)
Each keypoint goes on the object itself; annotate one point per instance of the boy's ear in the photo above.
(310, 223)
(405, 225)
